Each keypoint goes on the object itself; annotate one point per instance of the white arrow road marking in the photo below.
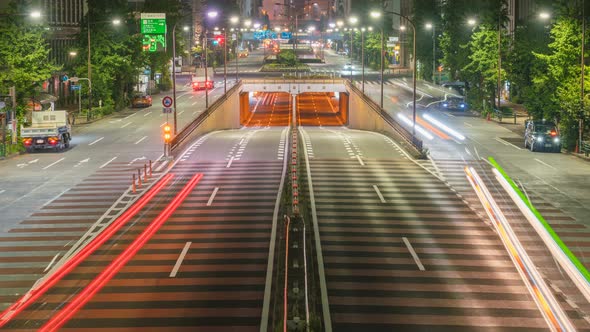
(52, 261)
(46, 167)
(98, 140)
(137, 159)
(82, 162)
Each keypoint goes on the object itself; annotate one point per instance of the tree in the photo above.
(456, 32)
(24, 54)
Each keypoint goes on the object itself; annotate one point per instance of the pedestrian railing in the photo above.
(585, 148)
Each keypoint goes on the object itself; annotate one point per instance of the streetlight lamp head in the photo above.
(212, 14)
(363, 29)
(428, 25)
(544, 15)
(116, 21)
(332, 25)
(353, 20)
(247, 23)
(35, 14)
(402, 28)
(234, 19)
(375, 14)
(370, 28)
(340, 23)
(471, 21)
(73, 53)
(185, 28)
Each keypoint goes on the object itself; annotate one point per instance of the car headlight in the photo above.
(540, 139)
(445, 105)
(462, 105)
(556, 140)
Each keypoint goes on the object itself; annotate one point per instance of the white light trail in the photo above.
(418, 128)
(444, 127)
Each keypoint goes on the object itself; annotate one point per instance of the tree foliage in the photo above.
(24, 53)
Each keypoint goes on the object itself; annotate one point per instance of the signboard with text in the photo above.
(153, 29)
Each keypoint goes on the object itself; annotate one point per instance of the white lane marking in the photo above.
(141, 139)
(108, 162)
(507, 143)
(148, 113)
(180, 112)
(162, 125)
(379, 194)
(544, 163)
(125, 125)
(52, 261)
(210, 201)
(468, 124)
(46, 167)
(127, 117)
(360, 160)
(137, 159)
(2, 191)
(468, 152)
(180, 259)
(193, 104)
(33, 161)
(98, 140)
(413, 253)
(476, 152)
(229, 162)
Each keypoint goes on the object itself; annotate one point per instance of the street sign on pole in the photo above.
(153, 23)
(75, 87)
(167, 101)
(167, 110)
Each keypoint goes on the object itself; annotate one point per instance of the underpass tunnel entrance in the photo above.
(322, 109)
(261, 109)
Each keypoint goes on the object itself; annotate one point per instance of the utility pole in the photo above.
(582, 66)
(499, 54)
(12, 93)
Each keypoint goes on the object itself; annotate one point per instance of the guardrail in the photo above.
(585, 148)
(296, 80)
(402, 131)
(189, 128)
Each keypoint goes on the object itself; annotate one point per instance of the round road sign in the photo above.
(167, 101)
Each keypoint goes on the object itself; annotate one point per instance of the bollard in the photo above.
(150, 168)
(133, 185)
(139, 178)
(145, 174)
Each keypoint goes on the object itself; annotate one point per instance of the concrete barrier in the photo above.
(365, 114)
(223, 114)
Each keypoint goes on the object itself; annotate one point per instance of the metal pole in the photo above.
(382, 65)
(433, 52)
(351, 31)
(581, 124)
(237, 56)
(499, 58)
(363, 59)
(174, 74)
(89, 72)
(414, 88)
(206, 73)
(225, 60)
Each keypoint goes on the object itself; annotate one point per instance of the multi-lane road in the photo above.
(402, 243)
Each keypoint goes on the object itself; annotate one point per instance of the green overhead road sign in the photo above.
(153, 23)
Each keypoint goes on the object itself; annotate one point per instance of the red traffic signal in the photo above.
(220, 40)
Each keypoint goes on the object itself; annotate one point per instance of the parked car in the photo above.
(243, 54)
(141, 100)
(542, 136)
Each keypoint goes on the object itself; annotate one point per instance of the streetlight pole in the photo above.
(89, 71)
(415, 71)
(225, 60)
(363, 59)
(433, 53)
(499, 58)
(206, 72)
(581, 122)
(174, 75)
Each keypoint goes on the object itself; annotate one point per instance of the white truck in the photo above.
(48, 130)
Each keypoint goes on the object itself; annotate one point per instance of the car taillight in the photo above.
(553, 133)
(27, 141)
(52, 140)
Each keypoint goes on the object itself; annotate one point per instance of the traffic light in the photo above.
(220, 40)
(167, 133)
